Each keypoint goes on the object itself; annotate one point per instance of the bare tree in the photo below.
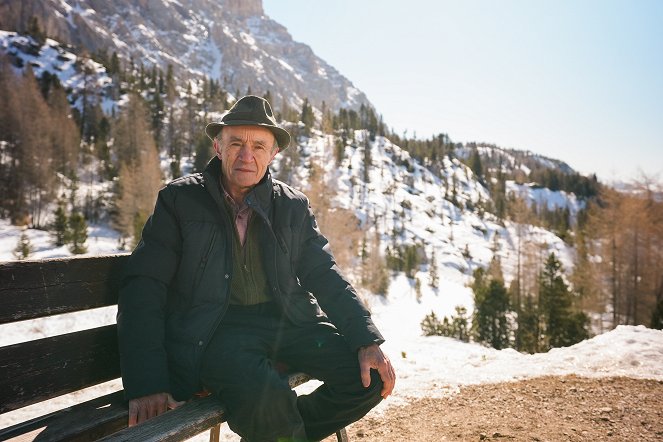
(140, 175)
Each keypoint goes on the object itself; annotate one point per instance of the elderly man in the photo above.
(231, 282)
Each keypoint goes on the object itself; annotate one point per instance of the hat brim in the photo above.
(282, 136)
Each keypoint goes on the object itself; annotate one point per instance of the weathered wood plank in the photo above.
(176, 425)
(31, 372)
(34, 289)
(89, 420)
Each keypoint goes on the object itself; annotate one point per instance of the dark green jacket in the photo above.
(177, 285)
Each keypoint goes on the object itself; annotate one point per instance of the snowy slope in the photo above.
(404, 196)
(53, 58)
(537, 196)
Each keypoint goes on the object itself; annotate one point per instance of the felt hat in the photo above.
(251, 111)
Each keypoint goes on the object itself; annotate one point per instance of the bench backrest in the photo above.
(35, 371)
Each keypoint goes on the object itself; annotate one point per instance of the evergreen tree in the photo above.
(475, 164)
(368, 160)
(410, 259)
(306, 116)
(456, 327)
(60, 225)
(528, 333)
(23, 248)
(434, 278)
(491, 307)
(339, 149)
(562, 325)
(431, 325)
(77, 233)
(459, 324)
(204, 152)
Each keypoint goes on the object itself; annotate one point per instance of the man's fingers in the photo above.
(386, 372)
(388, 380)
(147, 407)
(372, 357)
(160, 408)
(142, 414)
(365, 374)
(133, 413)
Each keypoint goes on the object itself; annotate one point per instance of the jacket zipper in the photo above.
(203, 263)
(224, 309)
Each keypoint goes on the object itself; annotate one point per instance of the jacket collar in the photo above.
(259, 198)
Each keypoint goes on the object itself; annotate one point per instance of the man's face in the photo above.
(245, 152)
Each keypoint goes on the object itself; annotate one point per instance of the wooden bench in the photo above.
(36, 371)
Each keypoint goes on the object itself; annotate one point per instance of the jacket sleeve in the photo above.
(319, 274)
(142, 302)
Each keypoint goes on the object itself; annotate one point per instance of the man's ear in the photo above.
(277, 150)
(217, 148)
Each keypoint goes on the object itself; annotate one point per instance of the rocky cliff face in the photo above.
(229, 40)
(244, 8)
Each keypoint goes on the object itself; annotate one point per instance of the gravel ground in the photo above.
(549, 408)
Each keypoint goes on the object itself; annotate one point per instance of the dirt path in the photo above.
(549, 408)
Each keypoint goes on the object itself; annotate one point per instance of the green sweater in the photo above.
(249, 282)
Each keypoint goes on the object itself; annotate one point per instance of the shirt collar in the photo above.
(237, 208)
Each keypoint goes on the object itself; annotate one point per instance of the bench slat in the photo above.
(176, 425)
(32, 372)
(105, 419)
(89, 420)
(34, 289)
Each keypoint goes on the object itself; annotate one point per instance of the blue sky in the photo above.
(580, 81)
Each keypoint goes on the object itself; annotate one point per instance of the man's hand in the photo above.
(147, 407)
(372, 357)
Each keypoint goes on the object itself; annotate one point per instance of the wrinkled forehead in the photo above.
(254, 134)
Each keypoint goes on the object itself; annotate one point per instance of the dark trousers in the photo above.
(240, 365)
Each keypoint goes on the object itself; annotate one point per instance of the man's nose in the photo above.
(245, 153)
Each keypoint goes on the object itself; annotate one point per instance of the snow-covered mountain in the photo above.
(231, 41)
